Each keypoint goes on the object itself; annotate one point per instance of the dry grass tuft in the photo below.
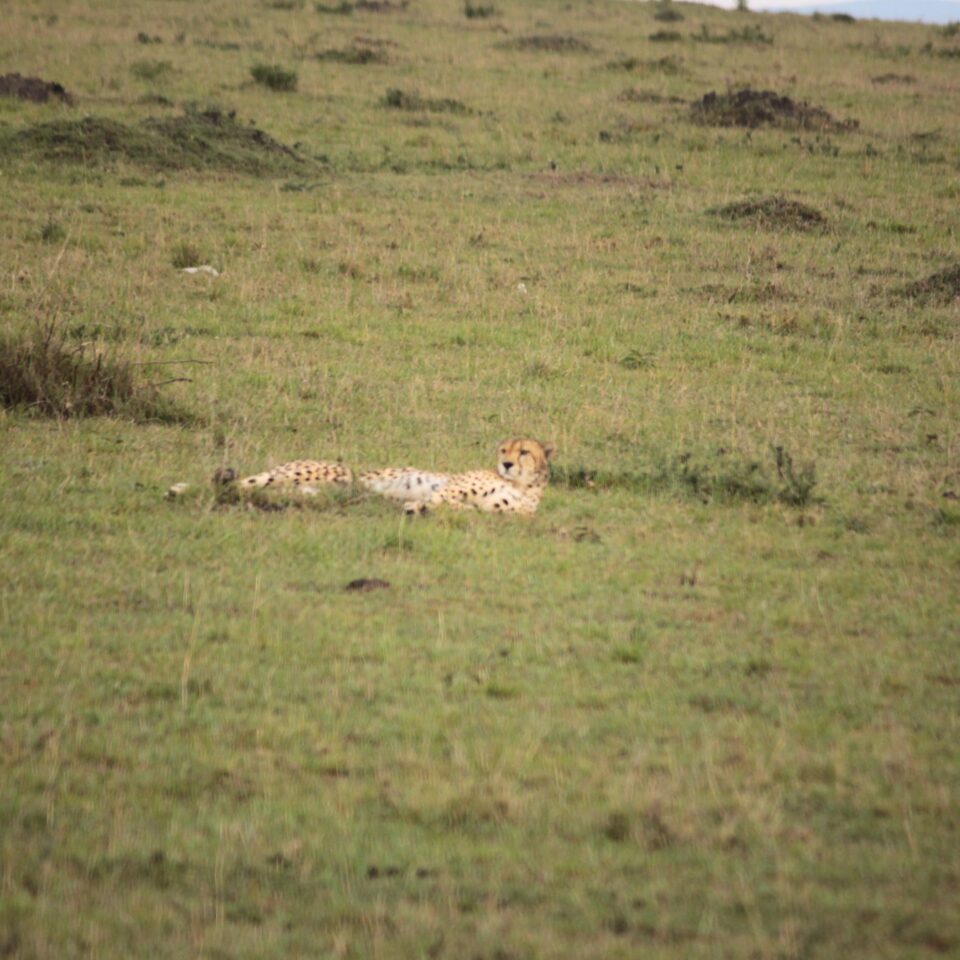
(43, 373)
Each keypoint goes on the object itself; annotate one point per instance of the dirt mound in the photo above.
(940, 287)
(202, 140)
(773, 212)
(32, 88)
(764, 108)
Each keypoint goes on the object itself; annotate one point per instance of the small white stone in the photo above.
(177, 490)
(204, 268)
(521, 288)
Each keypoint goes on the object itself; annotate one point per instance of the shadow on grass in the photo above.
(719, 478)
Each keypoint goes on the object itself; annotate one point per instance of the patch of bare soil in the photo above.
(775, 211)
(764, 108)
(32, 88)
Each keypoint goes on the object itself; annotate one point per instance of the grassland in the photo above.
(703, 705)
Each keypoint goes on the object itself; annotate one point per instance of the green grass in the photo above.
(703, 705)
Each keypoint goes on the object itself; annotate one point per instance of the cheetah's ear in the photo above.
(549, 449)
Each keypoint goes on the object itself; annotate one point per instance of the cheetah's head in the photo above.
(524, 461)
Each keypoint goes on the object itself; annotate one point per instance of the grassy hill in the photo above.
(704, 704)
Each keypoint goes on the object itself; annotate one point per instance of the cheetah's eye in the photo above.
(524, 453)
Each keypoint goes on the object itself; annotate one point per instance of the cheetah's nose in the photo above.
(507, 464)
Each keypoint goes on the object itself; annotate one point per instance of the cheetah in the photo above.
(523, 470)
(307, 476)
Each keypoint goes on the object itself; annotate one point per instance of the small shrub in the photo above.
(666, 65)
(340, 9)
(550, 43)
(52, 232)
(797, 486)
(666, 12)
(274, 77)
(665, 36)
(479, 11)
(947, 53)
(748, 34)
(637, 360)
(356, 55)
(396, 99)
(146, 38)
(617, 827)
(184, 255)
(151, 70)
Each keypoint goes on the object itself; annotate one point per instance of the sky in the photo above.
(939, 11)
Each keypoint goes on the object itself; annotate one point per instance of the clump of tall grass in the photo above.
(478, 11)
(45, 374)
(274, 77)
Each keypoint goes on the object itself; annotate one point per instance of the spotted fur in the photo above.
(306, 475)
(523, 470)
